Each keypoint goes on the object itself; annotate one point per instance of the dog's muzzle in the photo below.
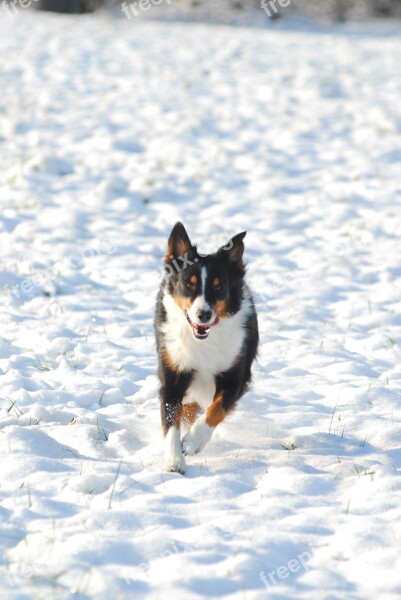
(201, 332)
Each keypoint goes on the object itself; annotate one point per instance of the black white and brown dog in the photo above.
(207, 338)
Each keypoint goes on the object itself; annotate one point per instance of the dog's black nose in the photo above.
(204, 315)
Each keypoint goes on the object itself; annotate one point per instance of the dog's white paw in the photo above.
(175, 465)
(197, 437)
(174, 461)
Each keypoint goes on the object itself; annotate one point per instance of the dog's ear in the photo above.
(178, 244)
(234, 250)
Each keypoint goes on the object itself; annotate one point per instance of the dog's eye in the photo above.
(190, 285)
(216, 284)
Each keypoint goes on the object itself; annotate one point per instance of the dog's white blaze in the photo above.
(203, 278)
(200, 302)
(207, 357)
(173, 457)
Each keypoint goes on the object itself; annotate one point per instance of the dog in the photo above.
(207, 339)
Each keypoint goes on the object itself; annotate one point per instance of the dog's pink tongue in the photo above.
(202, 329)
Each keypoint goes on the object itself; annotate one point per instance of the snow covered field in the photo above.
(110, 131)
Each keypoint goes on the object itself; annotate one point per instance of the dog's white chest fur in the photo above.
(207, 357)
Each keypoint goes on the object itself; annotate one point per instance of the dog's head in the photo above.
(206, 288)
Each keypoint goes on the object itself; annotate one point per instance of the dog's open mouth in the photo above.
(201, 332)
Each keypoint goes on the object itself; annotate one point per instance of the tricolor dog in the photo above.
(207, 338)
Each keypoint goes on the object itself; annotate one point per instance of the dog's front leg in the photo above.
(228, 391)
(173, 457)
(171, 396)
(202, 430)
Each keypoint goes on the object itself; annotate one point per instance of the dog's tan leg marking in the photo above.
(215, 414)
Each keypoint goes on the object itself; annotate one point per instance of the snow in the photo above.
(110, 131)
